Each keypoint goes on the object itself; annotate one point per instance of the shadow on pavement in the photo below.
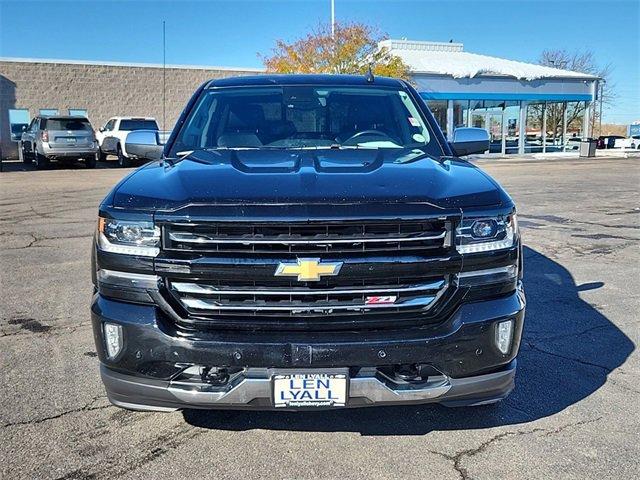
(19, 166)
(568, 350)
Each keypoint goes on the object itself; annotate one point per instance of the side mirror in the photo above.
(144, 144)
(101, 129)
(24, 128)
(468, 140)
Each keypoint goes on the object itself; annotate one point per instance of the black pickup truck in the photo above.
(305, 242)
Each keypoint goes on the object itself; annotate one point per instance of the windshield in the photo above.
(66, 124)
(304, 117)
(138, 125)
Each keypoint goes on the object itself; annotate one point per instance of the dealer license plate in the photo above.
(310, 390)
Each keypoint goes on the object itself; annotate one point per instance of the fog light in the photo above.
(504, 334)
(113, 339)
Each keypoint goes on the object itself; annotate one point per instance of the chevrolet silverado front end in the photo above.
(307, 242)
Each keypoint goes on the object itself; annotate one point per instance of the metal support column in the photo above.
(503, 147)
(450, 119)
(522, 127)
(586, 120)
(544, 127)
(564, 127)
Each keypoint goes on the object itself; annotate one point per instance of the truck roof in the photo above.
(302, 79)
(132, 118)
(64, 117)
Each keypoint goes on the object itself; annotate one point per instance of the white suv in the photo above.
(112, 137)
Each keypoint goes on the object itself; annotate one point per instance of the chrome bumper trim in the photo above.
(365, 389)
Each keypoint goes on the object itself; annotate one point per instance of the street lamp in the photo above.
(602, 82)
(333, 18)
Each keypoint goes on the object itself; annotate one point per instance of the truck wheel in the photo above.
(23, 154)
(123, 161)
(91, 161)
(101, 156)
(42, 162)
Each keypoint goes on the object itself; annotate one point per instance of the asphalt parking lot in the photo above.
(575, 412)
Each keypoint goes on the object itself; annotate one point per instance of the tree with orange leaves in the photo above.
(352, 49)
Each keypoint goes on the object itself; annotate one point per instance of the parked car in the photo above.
(572, 143)
(111, 137)
(17, 129)
(61, 138)
(632, 142)
(307, 241)
(607, 141)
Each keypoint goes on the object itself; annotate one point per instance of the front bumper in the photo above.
(253, 391)
(145, 374)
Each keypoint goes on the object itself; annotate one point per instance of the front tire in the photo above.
(123, 160)
(23, 155)
(101, 156)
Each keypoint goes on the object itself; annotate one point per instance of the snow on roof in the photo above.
(450, 59)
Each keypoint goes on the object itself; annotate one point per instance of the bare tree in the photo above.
(583, 62)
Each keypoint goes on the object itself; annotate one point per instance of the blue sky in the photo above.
(232, 33)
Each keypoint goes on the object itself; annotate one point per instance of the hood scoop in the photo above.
(350, 161)
(323, 161)
(265, 161)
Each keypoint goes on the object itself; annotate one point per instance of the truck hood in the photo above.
(306, 177)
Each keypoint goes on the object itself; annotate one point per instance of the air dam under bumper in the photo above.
(462, 349)
(254, 391)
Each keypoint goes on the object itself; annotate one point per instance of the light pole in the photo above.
(333, 18)
(602, 82)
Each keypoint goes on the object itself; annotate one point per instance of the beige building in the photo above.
(98, 89)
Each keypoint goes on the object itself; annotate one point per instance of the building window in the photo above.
(439, 110)
(48, 111)
(79, 112)
(460, 113)
(18, 119)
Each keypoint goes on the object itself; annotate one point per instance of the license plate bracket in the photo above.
(310, 389)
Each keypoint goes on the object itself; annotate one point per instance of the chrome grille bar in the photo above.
(206, 304)
(202, 289)
(188, 237)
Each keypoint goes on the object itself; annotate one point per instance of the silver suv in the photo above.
(58, 138)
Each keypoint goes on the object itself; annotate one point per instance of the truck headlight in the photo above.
(128, 237)
(486, 234)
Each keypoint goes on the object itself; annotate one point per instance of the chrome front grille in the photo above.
(200, 298)
(307, 238)
(222, 274)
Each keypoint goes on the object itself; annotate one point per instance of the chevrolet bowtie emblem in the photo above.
(308, 269)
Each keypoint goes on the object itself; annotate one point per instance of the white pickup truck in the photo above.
(632, 142)
(111, 138)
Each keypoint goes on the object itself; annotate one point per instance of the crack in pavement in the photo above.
(149, 450)
(573, 359)
(575, 334)
(85, 408)
(564, 221)
(457, 458)
(36, 238)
